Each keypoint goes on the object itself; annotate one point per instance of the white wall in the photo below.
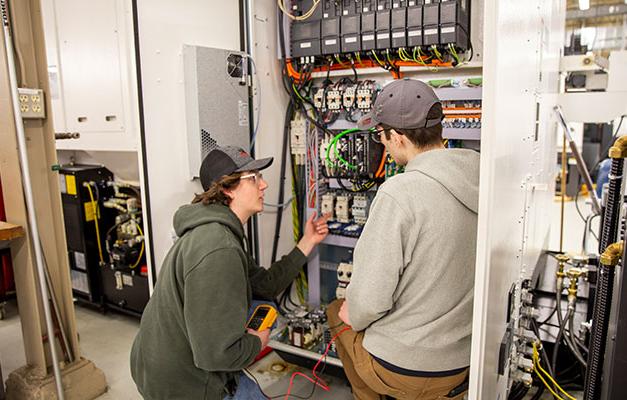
(522, 45)
(164, 26)
(272, 113)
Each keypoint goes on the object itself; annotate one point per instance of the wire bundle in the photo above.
(306, 15)
(541, 373)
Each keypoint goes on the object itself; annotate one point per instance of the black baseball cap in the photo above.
(402, 104)
(223, 161)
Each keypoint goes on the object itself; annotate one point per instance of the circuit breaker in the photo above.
(360, 26)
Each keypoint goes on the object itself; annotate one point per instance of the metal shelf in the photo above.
(288, 348)
(341, 241)
(462, 133)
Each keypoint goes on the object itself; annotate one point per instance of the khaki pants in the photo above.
(371, 381)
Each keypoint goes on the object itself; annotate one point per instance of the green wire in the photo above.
(387, 52)
(377, 58)
(333, 144)
(437, 53)
(298, 93)
(454, 53)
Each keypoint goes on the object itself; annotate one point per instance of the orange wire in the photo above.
(381, 166)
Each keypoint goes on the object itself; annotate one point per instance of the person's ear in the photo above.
(396, 137)
(228, 193)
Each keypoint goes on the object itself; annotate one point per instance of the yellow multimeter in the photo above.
(263, 317)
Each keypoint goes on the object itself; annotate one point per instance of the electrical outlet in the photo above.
(32, 104)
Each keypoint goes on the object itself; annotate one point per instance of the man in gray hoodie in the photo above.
(410, 299)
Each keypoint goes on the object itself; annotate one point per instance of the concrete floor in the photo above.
(106, 339)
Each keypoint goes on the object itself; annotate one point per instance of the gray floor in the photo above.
(106, 340)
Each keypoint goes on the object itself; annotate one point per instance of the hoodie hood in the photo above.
(455, 169)
(190, 216)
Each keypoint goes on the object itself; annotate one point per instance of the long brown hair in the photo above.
(215, 193)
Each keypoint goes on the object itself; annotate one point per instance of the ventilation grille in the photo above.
(207, 143)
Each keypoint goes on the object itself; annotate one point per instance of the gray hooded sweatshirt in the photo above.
(414, 265)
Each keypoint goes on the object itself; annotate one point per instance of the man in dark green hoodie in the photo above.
(192, 342)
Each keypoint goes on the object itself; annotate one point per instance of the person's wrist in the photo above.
(305, 246)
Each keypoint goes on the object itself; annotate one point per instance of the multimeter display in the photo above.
(263, 317)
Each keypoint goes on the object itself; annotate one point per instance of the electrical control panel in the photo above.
(349, 27)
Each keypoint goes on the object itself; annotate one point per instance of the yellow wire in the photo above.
(358, 57)
(437, 53)
(536, 359)
(93, 205)
(377, 58)
(402, 56)
(141, 252)
(387, 53)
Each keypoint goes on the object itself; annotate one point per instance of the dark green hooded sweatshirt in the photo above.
(192, 340)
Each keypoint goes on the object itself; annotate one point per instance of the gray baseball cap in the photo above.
(402, 104)
(223, 161)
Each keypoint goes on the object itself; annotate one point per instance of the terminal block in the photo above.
(334, 100)
(298, 132)
(327, 205)
(360, 209)
(319, 99)
(349, 99)
(342, 209)
(364, 98)
(344, 274)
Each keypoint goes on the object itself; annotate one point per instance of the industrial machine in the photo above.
(105, 238)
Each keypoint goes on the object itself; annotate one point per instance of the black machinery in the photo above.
(103, 224)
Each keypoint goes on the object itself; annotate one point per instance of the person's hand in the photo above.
(264, 336)
(314, 233)
(343, 313)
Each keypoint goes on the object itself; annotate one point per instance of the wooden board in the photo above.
(10, 231)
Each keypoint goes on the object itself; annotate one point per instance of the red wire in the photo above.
(319, 381)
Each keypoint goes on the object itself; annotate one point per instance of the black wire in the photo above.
(539, 393)
(607, 147)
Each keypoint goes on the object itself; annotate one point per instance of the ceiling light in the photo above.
(584, 4)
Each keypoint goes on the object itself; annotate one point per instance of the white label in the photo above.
(330, 42)
(412, 3)
(350, 40)
(397, 35)
(79, 281)
(414, 33)
(345, 12)
(79, 261)
(380, 7)
(382, 36)
(127, 280)
(367, 38)
(395, 5)
(305, 45)
(431, 31)
(450, 29)
(325, 15)
(62, 183)
(366, 9)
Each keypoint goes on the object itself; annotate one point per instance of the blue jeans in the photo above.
(247, 390)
